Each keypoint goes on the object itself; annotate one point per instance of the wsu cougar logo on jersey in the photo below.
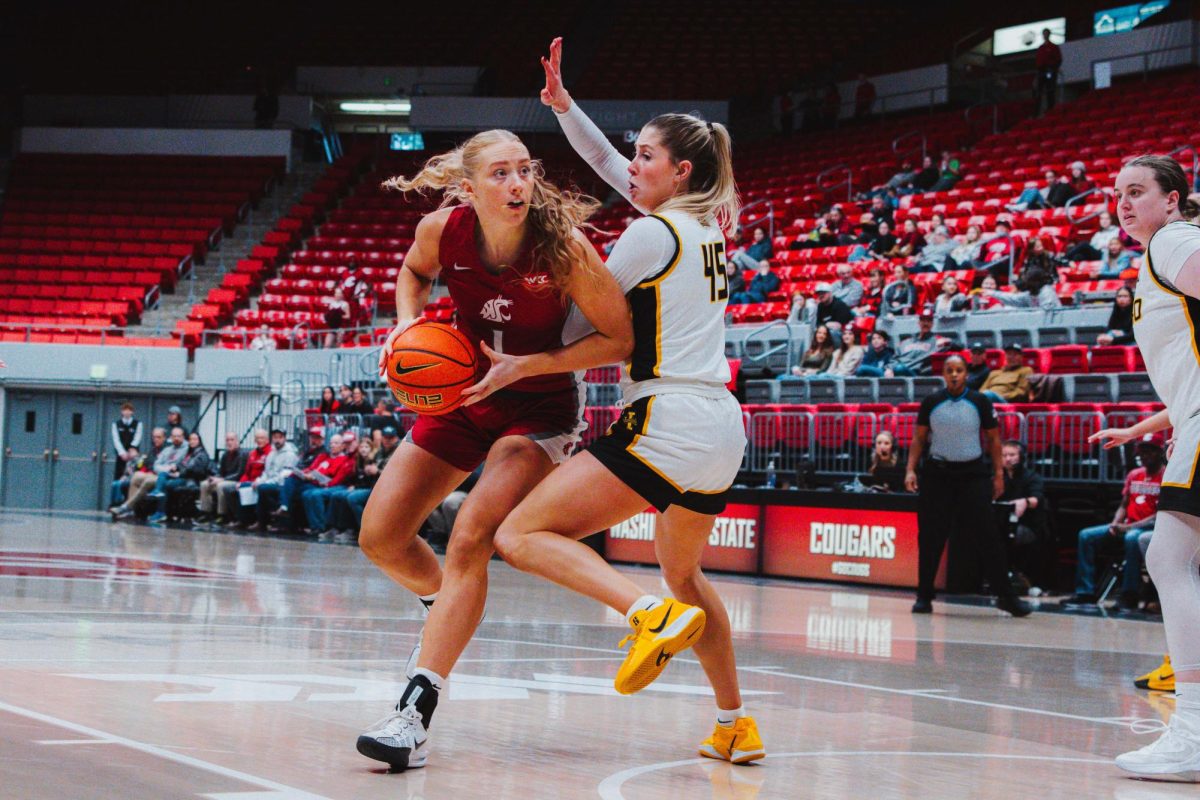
(496, 309)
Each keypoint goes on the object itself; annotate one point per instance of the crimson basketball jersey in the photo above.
(517, 311)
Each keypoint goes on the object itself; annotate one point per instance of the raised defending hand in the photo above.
(505, 369)
(385, 352)
(555, 95)
(1112, 437)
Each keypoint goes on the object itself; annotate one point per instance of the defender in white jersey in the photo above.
(1152, 203)
(679, 441)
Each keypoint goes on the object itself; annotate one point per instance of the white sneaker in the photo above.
(1176, 752)
(399, 740)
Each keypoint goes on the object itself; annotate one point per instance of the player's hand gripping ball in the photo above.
(430, 365)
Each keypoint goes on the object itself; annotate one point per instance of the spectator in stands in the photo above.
(912, 356)
(1116, 259)
(762, 284)
(1079, 180)
(847, 356)
(345, 513)
(330, 467)
(358, 292)
(886, 473)
(935, 256)
(150, 484)
(949, 173)
(120, 486)
(1093, 250)
(737, 281)
(337, 316)
(978, 368)
(1034, 197)
(144, 463)
(996, 254)
(864, 97)
(278, 467)
(899, 180)
(900, 295)
(1048, 61)
(825, 310)
(910, 242)
(183, 481)
(382, 416)
(1120, 321)
(329, 402)
(879, 357)
(950, 301)
(984, 298)
(927, 177)
(1010, 384)
(126, 439)
(833, 229)
(174, 418)
(229, 504)
(968, 250)
(1036, 289)
(756, 255)
(847, 288)
(319, 498)
(358, 403)
(877, 246)
(872, 299)
(229, 470)
(819, 355)
(880, 211)
(1025, 492)
(1038, 257)
(938, 220)
(263, 341)
(266, 105)
(1135, 515)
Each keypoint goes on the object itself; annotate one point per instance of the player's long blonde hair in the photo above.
(712, 193)
(554, 214)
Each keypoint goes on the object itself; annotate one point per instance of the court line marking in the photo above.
(73, 741)
(161, 752)
(202, 660)
(610, 787)
(925, 693)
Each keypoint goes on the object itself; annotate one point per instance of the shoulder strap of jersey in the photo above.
(659, 276)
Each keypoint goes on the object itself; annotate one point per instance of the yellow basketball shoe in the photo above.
(739, 744)
(658, 635)
(1159, 679)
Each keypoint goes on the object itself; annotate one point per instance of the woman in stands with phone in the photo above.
(1152, 206)
(679, 441)
(506, 242)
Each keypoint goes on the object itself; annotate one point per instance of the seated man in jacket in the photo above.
(1010, 384)
(879, 357)
(280, 463)
(183, 477)
(328, 468)
(762, 284)
(229, 469)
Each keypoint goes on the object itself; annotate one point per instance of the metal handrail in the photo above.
(1144, 56)
(829, 187)
(1079, 198)
(270, 406)
(768, 351)
(769, 216)
(902, 155)
(1190, 148)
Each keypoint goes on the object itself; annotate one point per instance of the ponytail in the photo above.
(712, 192)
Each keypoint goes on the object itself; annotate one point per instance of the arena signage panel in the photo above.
(733, 543)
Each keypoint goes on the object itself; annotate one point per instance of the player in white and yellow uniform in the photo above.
(679, 440)
(1153, 192)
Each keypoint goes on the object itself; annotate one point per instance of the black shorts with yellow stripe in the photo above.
(616, 450)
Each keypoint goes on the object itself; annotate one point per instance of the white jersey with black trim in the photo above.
(1166, 322)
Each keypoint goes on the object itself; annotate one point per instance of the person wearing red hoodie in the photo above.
(327, 470)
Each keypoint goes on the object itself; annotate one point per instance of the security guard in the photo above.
(958, 484)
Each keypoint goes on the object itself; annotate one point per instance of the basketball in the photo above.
(430, 365)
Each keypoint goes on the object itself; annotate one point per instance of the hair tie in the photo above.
(710, 128)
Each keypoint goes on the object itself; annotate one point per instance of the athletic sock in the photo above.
(427, 600)
(643, 603)
(726, 718)
(422, 694)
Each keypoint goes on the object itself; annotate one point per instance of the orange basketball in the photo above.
(430, 365)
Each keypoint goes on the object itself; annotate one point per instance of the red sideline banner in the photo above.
(842, 544)
(732, 546)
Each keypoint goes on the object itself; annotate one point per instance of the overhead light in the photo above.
(376, 107)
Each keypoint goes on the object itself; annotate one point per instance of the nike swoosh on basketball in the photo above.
(663, 657)
(456, 266)
(662, 624)
(403, 370)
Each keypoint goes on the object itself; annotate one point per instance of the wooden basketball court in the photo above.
(141, 663)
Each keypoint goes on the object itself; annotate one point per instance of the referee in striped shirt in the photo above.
(958, 484)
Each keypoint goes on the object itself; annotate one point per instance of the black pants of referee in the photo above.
(957, 496)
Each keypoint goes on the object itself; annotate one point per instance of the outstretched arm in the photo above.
(588, 140)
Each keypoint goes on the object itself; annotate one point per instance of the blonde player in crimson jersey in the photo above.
(679, 441)
(511, 256)
(1152, 194)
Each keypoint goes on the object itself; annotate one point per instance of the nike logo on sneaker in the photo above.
(403, 370)
(663, 657)
(663, 624)
(457, 267)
